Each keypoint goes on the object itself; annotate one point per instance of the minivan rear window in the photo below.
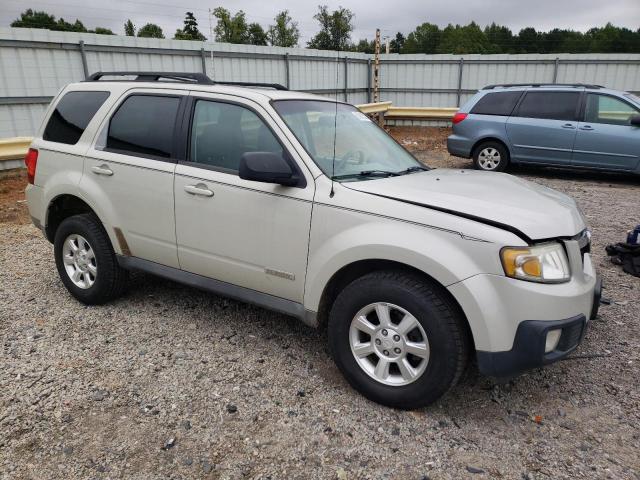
(71, 116)
(549, 105)
(498, 103)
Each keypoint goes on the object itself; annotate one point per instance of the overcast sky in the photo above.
(389, 16)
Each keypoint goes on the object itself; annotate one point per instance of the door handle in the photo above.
(102, 170)
(586, 127)
(199, 189)
(568, 125)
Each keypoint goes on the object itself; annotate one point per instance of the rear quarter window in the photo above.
(498, 103)
(71, 116)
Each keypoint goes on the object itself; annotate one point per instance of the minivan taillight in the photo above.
(31, 160)
(458, 117)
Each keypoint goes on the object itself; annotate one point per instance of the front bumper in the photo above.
(510, 318)
(529, 347)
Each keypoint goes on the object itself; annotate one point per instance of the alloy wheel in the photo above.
(79, 261)
(389, 344)
(489, 158)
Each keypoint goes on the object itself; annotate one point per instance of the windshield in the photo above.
(362, 150)
(632, 97)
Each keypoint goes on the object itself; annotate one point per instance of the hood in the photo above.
(530, 210)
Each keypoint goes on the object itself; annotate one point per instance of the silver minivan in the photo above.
(574, 126)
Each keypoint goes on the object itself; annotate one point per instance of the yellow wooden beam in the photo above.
(14, 148)
(427, 113)
(379, 107)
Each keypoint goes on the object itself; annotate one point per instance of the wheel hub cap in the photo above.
(389, 344)
(79, 261)
(489, 158)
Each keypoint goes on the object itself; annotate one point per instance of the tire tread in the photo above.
(419, 286)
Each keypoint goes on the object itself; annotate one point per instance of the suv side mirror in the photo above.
(267, 167)
(635, 121)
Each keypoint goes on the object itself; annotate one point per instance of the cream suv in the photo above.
(303, 205)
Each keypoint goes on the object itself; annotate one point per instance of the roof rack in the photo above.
(275, 86)
(198, 78)
(575, 85)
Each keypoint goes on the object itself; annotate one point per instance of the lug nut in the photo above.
(386, 352)
(396, 338)
(384, 332)
(378, 342)
(397, 350)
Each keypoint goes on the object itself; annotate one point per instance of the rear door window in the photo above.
(549, 105)
(71, 116)
(144, 126)
(498, 103)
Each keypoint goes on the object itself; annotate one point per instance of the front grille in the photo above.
(584, 243)
(570, 337)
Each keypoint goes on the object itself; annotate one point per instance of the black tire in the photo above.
(497, 146)
(436, 313)
(111, 280)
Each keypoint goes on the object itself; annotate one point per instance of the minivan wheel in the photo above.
(86, 261)
(491, 157)
(398, 339)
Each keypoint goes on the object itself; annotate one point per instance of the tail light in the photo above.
(458, 117)
(31, 160)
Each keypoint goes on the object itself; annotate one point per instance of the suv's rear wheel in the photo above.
(397, 339)
(491, 157)
(86, 261)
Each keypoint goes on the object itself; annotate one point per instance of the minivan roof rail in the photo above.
(188, 77)
(575, 85)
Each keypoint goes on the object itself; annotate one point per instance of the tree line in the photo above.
(335, 28)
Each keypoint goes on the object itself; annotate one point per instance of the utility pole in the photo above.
(211, 39)
(376, 68)
(387, 44)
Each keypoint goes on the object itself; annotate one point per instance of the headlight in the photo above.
(545, 263)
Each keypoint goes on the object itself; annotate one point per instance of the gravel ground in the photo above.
(171, 382)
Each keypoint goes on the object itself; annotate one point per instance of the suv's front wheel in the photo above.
(490, 157)
(86, 262)
(398, 339)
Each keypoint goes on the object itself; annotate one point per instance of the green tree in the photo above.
(35, 19)
(77, 26)
(231, 29)
(611, 39)
(364, 46)
(500, 38)
(190, 30)
(397, 43)
(151, 30)
(528, 41)
(257, 35)
(574, 42)
(285, 32)
(129, 28)
(103, 31)
(424, 39)
(463, 39)
(335, 29)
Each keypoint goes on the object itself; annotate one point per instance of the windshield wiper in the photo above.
(367, 173)
(417, 168)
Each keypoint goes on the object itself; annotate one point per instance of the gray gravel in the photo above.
(170, 382)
